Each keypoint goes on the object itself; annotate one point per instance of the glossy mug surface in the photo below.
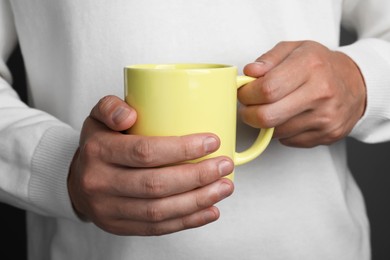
(181, 99)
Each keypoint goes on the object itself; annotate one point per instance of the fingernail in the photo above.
(225, 190)
(261, 63)
(210, 216)
(224, 168)
(120, 114)
(210, 144)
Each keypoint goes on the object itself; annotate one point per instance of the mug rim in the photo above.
(178, 66)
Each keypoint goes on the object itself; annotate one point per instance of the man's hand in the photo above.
(129, 185)
(310, 94)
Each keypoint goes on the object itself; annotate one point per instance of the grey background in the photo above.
(368, 162)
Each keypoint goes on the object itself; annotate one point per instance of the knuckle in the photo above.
(309, 44)
(206, 172)
(203, 176)
(91, 148)
(87, 184)
(191, 222)
(190, 148)
(327, 91)
(315, 63)
(143, 152)
(90, 185)
(153, 185)
(325, 121)
(201, 201)
(266, 118)
(187, 149)
(154, 213)
(269, 88)
(335, 135)
(186, 223)
(324, 92)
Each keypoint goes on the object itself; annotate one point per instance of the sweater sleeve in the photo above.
(35, 148)
(370, 20)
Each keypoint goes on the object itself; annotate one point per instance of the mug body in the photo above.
(182, 99)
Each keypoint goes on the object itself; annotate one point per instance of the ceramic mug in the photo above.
(181, 99)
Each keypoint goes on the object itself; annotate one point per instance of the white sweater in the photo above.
(288, 204)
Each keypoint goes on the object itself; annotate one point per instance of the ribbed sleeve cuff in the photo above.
(373, 58)
(50, 167)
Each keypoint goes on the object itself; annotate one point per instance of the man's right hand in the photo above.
(138, 185)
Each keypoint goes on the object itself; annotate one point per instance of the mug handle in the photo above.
(262, 140)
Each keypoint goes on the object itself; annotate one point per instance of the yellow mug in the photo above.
(181, 99)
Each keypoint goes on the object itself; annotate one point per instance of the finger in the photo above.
(304, 122)
(275, 114)
(316, 130)
(158, 210)
(114, 113)
(130, 227)
(270, 59)
(254, 93)
(290, 74)
(306, 139)
(151, 151)
(167, 181)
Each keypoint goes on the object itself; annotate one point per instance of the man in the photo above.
(94, 193)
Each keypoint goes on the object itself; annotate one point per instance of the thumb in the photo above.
(271, 59)
(256, 69)
(115, 113)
